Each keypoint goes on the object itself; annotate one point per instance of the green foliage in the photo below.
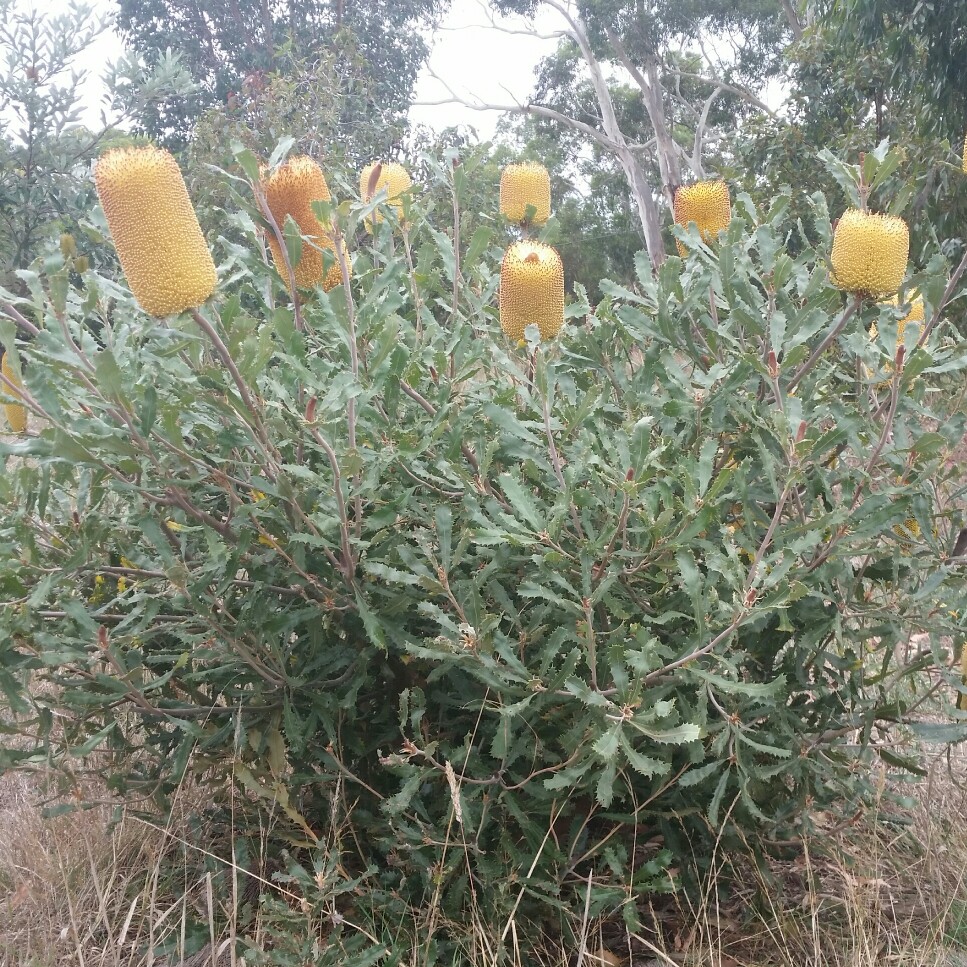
(493, 633)
(233, 47)
(852, 86)
(920, 50)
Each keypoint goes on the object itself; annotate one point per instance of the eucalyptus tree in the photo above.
(696, 67)
(234, 47)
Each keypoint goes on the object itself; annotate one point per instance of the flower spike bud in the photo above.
(155, 230)
(290, 191)
(531, 290)
(379, 176)
(708, 205)
(16, 413)
(522, 186)
(870, 253)
(915, 315)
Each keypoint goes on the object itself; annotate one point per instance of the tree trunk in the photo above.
(640, 189)
(647, 206)
(666, 148)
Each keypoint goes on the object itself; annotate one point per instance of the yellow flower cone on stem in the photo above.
(522, 186)
(159, 242)
(531, 290)
(16, 413)
(708, 205)
(290, 191)
(392, 178)
(915, 316)
(870, 253)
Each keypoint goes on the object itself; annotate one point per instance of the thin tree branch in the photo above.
(731, 88)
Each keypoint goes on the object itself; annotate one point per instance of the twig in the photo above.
(824, 345)
(556, 462)
(339, 243)
(226, 358)
(25, 324)
(348, 562)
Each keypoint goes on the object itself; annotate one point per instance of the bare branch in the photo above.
(668, 151)
(537, 110)
(700, 133)
(747, 96)
(493, 25)
(793, 19)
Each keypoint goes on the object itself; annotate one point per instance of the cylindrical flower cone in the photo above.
(155, 230)
(531, 290)
(522, 186)
(914, 316)
(965, 155)
(290, 191)
(708, 205)
(16, 413)
(392, 178)
(870, 253)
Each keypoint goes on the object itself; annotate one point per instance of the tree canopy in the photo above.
(230, 46)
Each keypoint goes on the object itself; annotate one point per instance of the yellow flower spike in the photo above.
(914, 316)
(908, 529)
(522, 186)
(159, 242)
(965, 155)
(531, 290)
(16, 413)
(870, 253)
(392, 178)
(290, 191)
(100, 592)
(708, 205)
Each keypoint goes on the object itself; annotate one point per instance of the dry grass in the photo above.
(889, 889)
(96, 887)
(76, 890)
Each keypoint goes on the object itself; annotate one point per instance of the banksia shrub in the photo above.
(531, 290)
(16, 413)
(707, 204)
(523, 186)
(290, 190)
(870, 253)
(392, 178)
(154, 227)
(401, 582)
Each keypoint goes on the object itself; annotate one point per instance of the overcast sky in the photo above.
(477, 61)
